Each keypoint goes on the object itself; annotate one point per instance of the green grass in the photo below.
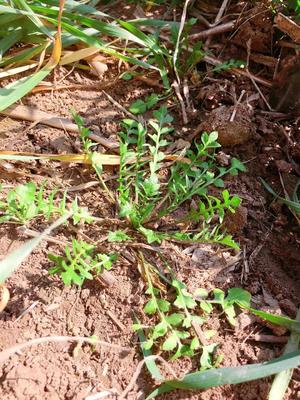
(28, 30)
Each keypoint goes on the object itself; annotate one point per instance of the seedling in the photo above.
(92, 156)
(181, 315)
(228, 65)
(80, 262)
(140, 106)
(293, 203)
(26, 202)
(118, 236)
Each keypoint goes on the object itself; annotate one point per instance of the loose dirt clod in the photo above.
(231, 133)
(236, 222)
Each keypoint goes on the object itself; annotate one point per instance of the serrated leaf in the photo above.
(150, 307)
(138, 107)
(187, 322)
(118, 236)
(238, 165)
(175, 319)
(170, 343)
(163, 305)
(150, 235)
(206, 360)
(159, 330)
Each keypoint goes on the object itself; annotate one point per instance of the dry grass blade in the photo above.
(6, 354)
(27, 113)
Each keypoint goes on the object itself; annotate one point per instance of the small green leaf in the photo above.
(195, 344)
(152, 100)
(159, 330)
(170, 343)
(150, 307)
(230, 314)
(239, 296)
(150, 235)
(175, 319)
(148, 344)
(236, 164)
(206, 359)
(209, 333)
(163, 305)
(206, 307)
(219, 183)
(136, 327)
(200, 294)
(138, 107)
(118, 236)
(127, 76)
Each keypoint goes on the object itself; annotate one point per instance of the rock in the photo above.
(231, 133)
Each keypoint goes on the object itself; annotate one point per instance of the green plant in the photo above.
(144, 196)
(228, 375)
(140, 106)
(87, 149)
(80, 262)
(118, 236)
(292, 203)
(290, 5)
(39, 25)
(215, 376)
(181, 316)
(227, 65)
(175, 318)
(26, 202)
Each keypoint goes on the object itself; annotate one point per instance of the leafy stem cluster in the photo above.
(80, 262)
(180, 316)
(26, 202)
(146, 193)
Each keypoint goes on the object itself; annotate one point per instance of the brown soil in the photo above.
(268, 265)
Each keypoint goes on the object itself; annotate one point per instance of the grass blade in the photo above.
(10, 40)
(229, 375)
(15, 91)
(22, 5)
(294, 204)
(282, 380)
(13, 260)
(150, 363)
(291, 324)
